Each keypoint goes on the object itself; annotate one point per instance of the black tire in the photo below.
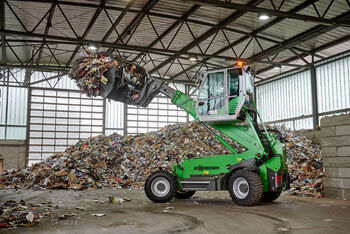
(184, 194)
(166, 183)
(270, 196)
(249, 188)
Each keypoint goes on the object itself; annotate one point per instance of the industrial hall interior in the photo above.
(169, 116)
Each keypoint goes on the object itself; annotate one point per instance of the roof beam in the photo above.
(208, 34)
(304, 36)
(136, 21)
(171, 28)
(281, 14)
(156, 14)
(87, 30)
(47, 28)
(118, 20)
(316, 50)
(80, 41)
(259, 30)
(3, 39)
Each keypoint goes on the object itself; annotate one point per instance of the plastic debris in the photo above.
(30, 216)
(117, 161)
(98, 215)
(22, 214)
(81, 207)
(284, 229)
(304, 161)
(88, 71)
(96, 74)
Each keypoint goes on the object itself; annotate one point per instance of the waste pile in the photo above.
(117, 161)
(304, 161)
(88, 71)
(22, 214)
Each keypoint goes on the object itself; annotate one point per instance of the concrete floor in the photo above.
(207, 212)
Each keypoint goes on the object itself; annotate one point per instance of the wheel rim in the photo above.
(241, 188)
(160, 187)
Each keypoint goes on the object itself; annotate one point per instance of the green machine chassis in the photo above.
(224, 106)
(265, 154)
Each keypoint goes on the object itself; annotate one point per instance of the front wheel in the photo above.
(245, 188)
(160, 186)
(184, 194)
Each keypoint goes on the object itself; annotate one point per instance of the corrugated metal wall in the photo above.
(286, 98)
(14, 127)
(114, 117)
(159, 113)
(333, 85)
(290, 95)
(13, 112)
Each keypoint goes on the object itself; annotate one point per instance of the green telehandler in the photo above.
(225, 103)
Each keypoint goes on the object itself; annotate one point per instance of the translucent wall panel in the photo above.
(16, 133)
(159, 113)
(2, 132)
(114, 117)
(333, 85)
(17, 106)
(15, 76)
(62, 82)
(13, 113)
(59, 119)
(285, 98)
(3, 104)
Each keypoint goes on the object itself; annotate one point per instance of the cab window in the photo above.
(211, 97)
(213, 86)
(233, 81)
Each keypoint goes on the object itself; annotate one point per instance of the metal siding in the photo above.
(3, 94)
(13, 112)
(286, 98)
(17, 106)
(114, 115)
(333, 85)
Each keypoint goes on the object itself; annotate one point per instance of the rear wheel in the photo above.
(160, 186)
(184, 194)
(270, 196)
(245, 188)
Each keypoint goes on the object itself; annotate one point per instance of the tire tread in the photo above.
(255, 185)
(173, 187)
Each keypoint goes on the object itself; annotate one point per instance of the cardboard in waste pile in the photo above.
(23, 214)
(117, 161)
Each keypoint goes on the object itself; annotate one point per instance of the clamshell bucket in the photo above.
(121, 85)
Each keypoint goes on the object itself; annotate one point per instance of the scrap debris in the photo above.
(117, 161)
(96, 74)
(304, 162)
(88, 71)
(23, 214)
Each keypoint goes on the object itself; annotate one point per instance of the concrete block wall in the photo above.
(335, 142)
(13, 154)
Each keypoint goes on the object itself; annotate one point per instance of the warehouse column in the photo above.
(187, 92)
(314, 95)
(125, 123)
(29, 106)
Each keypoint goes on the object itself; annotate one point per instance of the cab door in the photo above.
(221, 95)
(211, 98)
